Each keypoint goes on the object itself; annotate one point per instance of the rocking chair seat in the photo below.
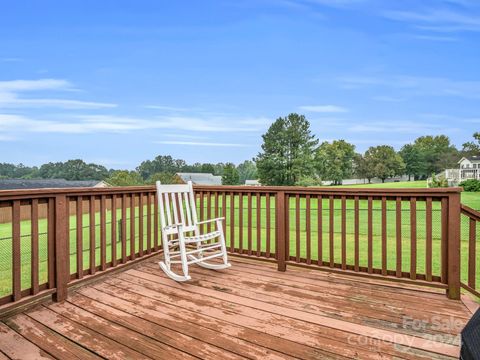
(204, 237)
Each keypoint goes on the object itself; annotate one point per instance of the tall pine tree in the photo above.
(288, 152)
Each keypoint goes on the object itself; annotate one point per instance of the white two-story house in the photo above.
(469, 168)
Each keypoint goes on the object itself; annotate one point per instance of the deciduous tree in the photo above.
(230, 175)
(334, 161)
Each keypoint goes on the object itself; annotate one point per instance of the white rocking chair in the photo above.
(182, 242)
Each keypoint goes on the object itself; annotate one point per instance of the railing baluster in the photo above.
(16, 248)
(155, 223)
(51, 242)
(240, 223)
(232, 221)
(444, 241)
(259, 224)
(249, 217)
(79, 225)
(472, 252)
(149, 223)
(103, 233)
(113, 238)
(384, 236)
(308, 230)
(331, 230)
(62, 271)
(281, 219)
(344, 233)
(356, 211)
(202, 209)
(267, 205)
(140, 224)
(34, 245)
(297, 228)
(286, 230)
(398, 233)
(132, 225)
(428, 240)
(124, 228)
(413, 238)
(93, 241)
(370, 234)
(209, 208)
(320, 230)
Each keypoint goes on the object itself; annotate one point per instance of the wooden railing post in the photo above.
(453, 247)
(280, 208)
(62, 273)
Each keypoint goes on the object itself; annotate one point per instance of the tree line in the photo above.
(290, 155)
(162, 167)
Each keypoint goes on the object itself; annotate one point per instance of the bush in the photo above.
(439, 182)
(309, 181)
(470, 185)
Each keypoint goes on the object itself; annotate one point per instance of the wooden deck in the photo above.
(249, 311)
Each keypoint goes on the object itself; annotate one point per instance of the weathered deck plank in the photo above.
(249, 311)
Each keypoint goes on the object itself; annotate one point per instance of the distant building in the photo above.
(468, 168)
(252, 183)
(17, 184)
(198, 178)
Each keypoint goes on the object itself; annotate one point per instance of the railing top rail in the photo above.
(472, 213)
(36, 193)
(334, 190)
(39, 193)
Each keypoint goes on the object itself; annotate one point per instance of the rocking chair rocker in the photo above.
(182, 242)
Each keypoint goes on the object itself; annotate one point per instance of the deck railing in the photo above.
(410, 235)
(470, 254)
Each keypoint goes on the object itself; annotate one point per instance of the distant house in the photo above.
(252, 183)
(16, 184)
(198, 178)
(468, 168)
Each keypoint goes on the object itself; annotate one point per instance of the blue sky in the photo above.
(118, 82)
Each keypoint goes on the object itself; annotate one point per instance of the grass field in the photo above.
(471, 199)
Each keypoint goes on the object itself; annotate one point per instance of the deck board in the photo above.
(248, 311)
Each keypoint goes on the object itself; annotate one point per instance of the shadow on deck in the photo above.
(248, 311)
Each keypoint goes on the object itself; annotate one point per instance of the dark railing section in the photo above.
(59, 237)
(470, 254)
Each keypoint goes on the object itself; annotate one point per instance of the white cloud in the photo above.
(167, 108)
(108, 123)
(56, 103)
(10, 90)
(388, 98)
(32, 85)
(323, 108)
(395, 126)
(440, 20)
(415, 85)
(197, 143)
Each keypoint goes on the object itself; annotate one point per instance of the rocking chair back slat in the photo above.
(187, 206)
(180, 205)
(167, 207)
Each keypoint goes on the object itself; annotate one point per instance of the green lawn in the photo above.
(471, 199)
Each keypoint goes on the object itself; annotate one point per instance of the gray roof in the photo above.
(201, 178)
(13, 184)
(473, 158)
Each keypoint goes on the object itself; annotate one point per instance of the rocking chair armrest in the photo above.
(210, 220)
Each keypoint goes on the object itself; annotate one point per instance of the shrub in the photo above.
(438, 182)
(471, 185)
